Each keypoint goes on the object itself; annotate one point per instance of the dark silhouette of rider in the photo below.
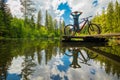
(76, 15)
(74, 63)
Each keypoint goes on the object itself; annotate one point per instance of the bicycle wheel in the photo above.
(69, 30)
(69, 52)
(94, 29)
(92, 55)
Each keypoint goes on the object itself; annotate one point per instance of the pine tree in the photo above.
(55, 24)
(28, 10)
(62, 26)
(32, 23)
(5, 19)
(39, 19)
(46, 19)
(117, 16)
(110, 17)
(50, 23)
(103, 20)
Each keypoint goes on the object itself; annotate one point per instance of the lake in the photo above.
(56, 60)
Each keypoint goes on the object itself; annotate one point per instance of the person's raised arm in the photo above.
(79, 13)
(72, 13)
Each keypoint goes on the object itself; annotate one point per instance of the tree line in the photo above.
(109, 20)
(28, 27)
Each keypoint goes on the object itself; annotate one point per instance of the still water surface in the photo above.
(53, 60)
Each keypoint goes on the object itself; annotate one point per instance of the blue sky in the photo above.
(67, 11)
(60, 9)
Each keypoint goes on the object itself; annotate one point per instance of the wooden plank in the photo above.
(93, 38)
(96, 36)
(82, 44)
(86, 39)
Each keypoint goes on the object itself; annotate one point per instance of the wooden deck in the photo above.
(91, 38)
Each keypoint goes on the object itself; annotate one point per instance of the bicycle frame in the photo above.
(86, 21)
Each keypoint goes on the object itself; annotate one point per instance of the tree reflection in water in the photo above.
(37, 55)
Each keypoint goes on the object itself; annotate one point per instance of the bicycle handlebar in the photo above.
(86, 18)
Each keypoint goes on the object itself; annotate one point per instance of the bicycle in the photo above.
(80, 57)
(92, 28)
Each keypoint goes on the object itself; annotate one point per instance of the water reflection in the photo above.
(80, 55)
(49, 60)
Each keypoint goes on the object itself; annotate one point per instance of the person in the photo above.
(76, 15)
(75, 55)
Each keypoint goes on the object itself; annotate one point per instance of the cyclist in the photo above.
(76, 15)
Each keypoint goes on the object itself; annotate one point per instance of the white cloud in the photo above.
(51, 5)
(15, 7)
(86, 6)
(16, 66)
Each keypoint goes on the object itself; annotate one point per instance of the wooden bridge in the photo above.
(92, 38)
